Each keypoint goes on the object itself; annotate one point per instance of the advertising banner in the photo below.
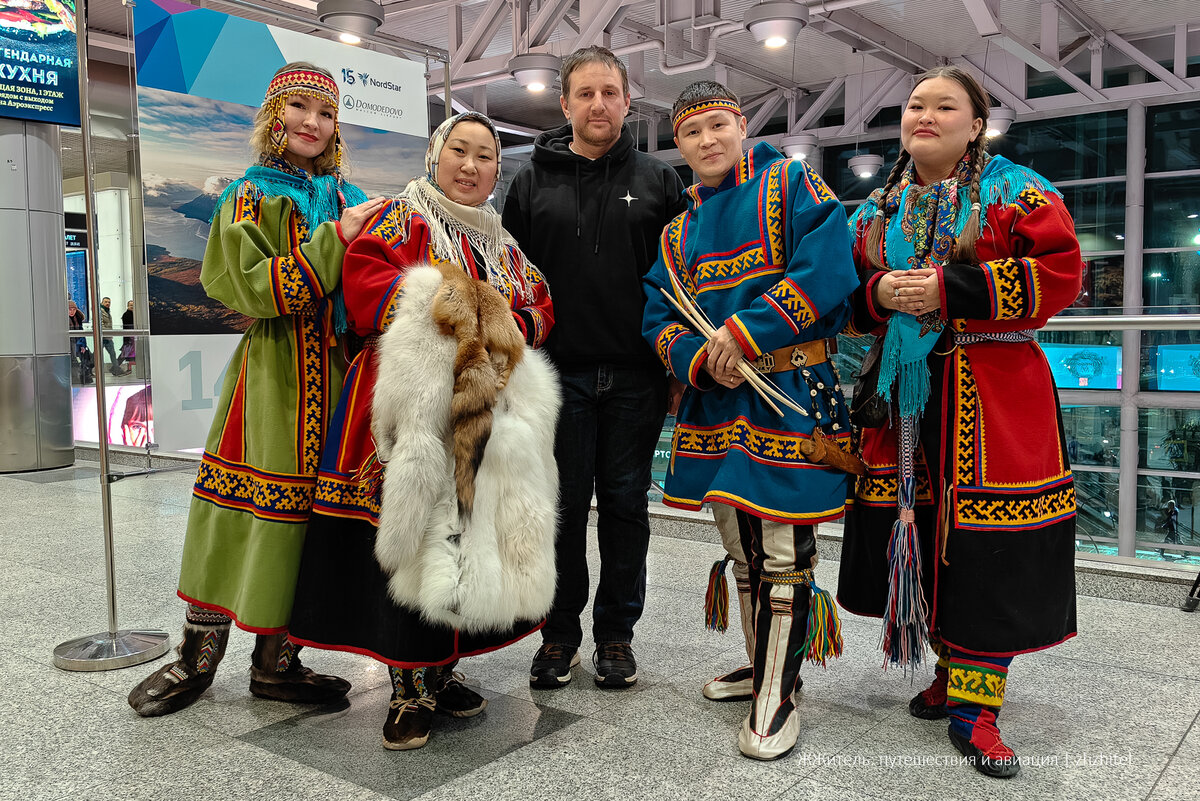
(39, 76)
(201, 78)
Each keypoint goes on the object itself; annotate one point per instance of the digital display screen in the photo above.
(39, 73)
(1084, 366)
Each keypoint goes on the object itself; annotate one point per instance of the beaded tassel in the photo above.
(905, 619)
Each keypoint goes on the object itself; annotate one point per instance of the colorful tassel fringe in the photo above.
(905, 627)
(824, 627)
(716, 600)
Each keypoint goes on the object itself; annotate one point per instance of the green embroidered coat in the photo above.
(254, 490)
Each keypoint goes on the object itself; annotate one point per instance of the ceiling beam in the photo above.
(480, 36)
(998, 88)
(857, 31)
(546, 22)
(766, 109)
(867, 106)
(819, 105)
(1148, 64)
(595, 19)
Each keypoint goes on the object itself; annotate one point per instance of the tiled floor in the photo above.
(1110, 715)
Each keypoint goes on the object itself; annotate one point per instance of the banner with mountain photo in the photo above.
(201, 77)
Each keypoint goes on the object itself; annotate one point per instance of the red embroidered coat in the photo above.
(995, 493)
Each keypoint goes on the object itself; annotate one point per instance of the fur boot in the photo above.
(176, 685)
(276, 673)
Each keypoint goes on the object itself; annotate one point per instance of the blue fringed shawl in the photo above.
(314, 197)
(947, 206)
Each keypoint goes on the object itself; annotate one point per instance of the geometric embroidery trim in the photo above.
(267, 496)
(287, 650)
(1013, 287)
(714, 273)
(879, 487)
(793, 305)
(966, 435)
(762, 445)
(338, 496)
(974, 684)
(208, 650)
(983, 508)
(662, 343)
(312, 375)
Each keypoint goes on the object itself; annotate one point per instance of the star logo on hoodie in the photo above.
(629, 198)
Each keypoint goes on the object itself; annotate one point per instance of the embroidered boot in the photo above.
(410, 713)
(455, 698)
(975, 692)
(176, 685)
(276, 673)
(930, 703)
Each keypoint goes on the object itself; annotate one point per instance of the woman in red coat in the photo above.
(962, 532)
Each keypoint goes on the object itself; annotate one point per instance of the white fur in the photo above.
(499, 567)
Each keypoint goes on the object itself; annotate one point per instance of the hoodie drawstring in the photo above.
(603, 205)
(578, 204)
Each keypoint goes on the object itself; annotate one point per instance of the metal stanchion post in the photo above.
(112, 649)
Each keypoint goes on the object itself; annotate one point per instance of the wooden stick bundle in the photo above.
(694, 315)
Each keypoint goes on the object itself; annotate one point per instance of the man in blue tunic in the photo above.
(763, 251)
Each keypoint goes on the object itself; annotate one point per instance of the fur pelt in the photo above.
(486, 570)
(489, 347)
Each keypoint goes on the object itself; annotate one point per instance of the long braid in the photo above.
(879, 221)
(964, 251)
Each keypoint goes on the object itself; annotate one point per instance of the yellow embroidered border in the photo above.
(774, 206)
(792, 301)
(989, 510)
(715, 270)
(1015, 288)
(817, 187)
(267, 496)
(662, 343)
(968, 420)
(311, 410)
(344, 497)
(880, 489)
(760, 444)
(976, 686)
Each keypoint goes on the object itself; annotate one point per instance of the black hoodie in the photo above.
(592, 228)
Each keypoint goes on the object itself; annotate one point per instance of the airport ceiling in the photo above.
(1039, 57)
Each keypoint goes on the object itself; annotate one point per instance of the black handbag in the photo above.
(869, 409)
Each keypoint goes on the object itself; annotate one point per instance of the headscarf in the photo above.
(449, 222)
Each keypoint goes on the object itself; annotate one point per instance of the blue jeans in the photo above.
(608, 428)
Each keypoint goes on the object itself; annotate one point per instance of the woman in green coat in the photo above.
(274, 254)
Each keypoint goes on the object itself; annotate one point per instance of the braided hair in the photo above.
(964, 249)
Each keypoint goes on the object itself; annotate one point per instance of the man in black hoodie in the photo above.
(588, 210)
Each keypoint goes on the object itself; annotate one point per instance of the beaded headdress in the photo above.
(701, 106)
(300, 81)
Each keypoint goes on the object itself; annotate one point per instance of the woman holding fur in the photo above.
(455, 359)
(274, 254)
(963, 529)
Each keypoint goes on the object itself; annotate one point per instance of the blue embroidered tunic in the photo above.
(767, 254)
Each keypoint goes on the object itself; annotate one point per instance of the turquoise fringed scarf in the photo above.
(316, 198)
(923, 223)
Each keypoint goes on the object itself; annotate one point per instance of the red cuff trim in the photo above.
(338, 225)
(878, 314)
(942, 312)
(695, 369)
(745, 341)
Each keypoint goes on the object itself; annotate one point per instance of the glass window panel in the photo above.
(1068, 148)
(1161, 534)
(1093, 435)
(1172, 212)
(1169, 439)
(1096, 496)
(1099, 213)
(1170, 361)
(1171, 282)
(662, 459)
(1103, 285)
(1174, 134)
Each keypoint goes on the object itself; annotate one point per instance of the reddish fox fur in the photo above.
(489, 347)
